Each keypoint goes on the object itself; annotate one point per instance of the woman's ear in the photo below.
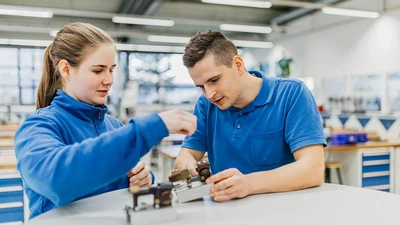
(65, 69)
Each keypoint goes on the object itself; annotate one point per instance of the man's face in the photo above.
(219, 84)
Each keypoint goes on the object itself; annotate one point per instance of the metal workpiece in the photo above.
(197, 190)
(203, 168)
(151, 205)
(189, 188)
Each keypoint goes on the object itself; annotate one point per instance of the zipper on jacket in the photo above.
(100, 114)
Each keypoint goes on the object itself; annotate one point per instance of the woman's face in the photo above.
(92, 80)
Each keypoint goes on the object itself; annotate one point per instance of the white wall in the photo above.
(349, 47)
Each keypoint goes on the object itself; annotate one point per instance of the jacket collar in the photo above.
(81, 110)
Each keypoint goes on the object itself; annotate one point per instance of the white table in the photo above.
(329, 205)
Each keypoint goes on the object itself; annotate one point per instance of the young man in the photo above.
(261, 134)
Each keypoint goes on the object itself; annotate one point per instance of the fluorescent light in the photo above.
(150, 48)
(246, 28)
(350, 12)
(168, 39)
(126, 47)
(253, 44)
(160, 48)
(39, 43)
(25, 42)
(27, 13)
(143, 21)
(53, 33)
(185, 40)
(254, 4)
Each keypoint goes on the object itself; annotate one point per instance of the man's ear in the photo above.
(65, 69)
(238, 63)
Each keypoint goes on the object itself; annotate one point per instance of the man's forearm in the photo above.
(187, 159)
(295, 176)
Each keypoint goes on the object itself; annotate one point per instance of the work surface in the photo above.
(367, 145)
(328, 205)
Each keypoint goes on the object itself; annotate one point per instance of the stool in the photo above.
(332, 165)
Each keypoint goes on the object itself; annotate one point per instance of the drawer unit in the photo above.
(11, 198)
(376, 170)
(372, 168)
(11, 212)
(397, 170)
(11, 194)
(14, 180)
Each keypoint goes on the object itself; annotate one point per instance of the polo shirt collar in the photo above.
(263, 97)
(266, 91)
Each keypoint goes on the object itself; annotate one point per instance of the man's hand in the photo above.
(187, 159)
(192, 170)
(140, 175)
(229, 184)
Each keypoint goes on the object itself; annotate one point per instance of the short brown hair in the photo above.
(204, 43)
(73, 43)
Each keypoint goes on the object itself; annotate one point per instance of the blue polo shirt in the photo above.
(263, 135)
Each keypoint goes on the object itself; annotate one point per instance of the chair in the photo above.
(329, 166)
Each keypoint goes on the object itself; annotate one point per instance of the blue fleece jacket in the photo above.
(71, 150)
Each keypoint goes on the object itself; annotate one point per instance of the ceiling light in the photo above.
(38, 43)
(185, 40)
(159, 48)
(25, 42)
(350, 12)
(253, 44)
(150, 48)
(143, 21)
(246, 28)
(168, 39)
(9, 11)
(126, 47)
(254, 4)
(53, 33)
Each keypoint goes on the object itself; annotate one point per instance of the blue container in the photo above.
(348, 138)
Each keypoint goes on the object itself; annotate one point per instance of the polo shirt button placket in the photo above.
(238, 126)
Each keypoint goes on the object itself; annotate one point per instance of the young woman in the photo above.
(70, 148)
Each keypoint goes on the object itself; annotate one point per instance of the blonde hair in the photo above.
(72, 43)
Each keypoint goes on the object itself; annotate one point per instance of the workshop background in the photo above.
(347, 53)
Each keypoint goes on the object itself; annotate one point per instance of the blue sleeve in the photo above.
(64, 173)
(198, 141)
(124, 183)
(303, 126)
